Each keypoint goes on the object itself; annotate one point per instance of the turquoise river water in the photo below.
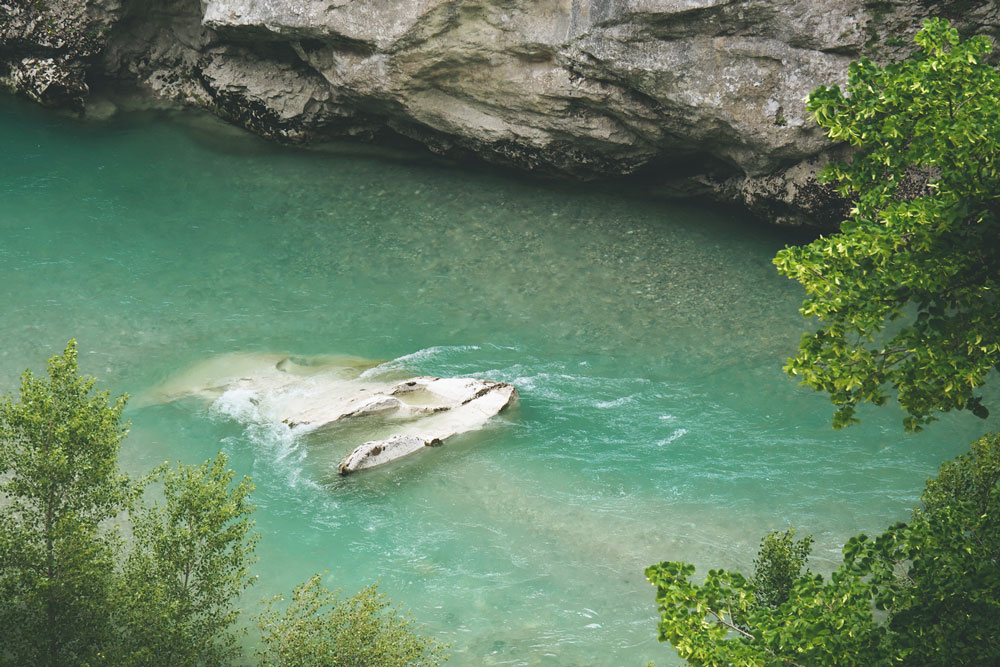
(646, 339)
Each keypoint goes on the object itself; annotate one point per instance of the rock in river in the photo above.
(316, 394)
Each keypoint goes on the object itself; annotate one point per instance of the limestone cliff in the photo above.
(706, 93)
(47, 46)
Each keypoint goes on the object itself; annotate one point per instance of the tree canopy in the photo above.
(320, 628)
(906, 293)
(59, 481)
(936, 578)
(188, 566)
(72, 593)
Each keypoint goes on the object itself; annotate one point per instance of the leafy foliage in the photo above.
(320, 629)
(779, 563)
(69, 597)
(188, 567)
(907, 291)
(937, 579)
(59, 481)
(719, 622)
(939, 576)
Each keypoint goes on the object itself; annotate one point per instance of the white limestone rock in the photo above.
(451, 406)
(313, 394)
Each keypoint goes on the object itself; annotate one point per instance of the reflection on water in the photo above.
(645, 339)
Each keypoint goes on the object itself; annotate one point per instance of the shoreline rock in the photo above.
(707, 91)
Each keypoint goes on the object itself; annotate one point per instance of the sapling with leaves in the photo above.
(178, 594)
(60, 487)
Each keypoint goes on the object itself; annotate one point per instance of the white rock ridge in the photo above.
(449, 405)
(317, 394)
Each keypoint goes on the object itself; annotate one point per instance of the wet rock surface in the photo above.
(331, 395)
(708, 90)
(449, 406)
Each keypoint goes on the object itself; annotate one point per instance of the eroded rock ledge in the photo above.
(708, 92)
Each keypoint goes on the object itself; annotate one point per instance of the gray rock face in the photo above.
(45, 47)
(587, 88)
(708, 90)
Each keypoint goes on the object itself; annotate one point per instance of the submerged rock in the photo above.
(320, 394)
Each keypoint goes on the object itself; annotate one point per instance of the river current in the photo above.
(646, 340)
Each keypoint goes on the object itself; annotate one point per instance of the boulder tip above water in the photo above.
(334, 395)
(454, 405)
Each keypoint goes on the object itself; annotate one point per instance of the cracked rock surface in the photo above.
(341, 397)
(47, 46)
(704, 95)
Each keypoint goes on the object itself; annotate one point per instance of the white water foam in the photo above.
(276, 440)
(673, 436)
(561, 387)
(615, 403)
(415, 359)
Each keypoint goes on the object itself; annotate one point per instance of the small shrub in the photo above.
(319, 628)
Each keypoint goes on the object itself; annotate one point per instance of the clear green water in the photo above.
(646, 340)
